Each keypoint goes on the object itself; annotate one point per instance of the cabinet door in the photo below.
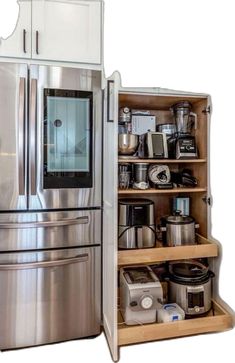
(68, 30)
(110, 215)
(18, 44)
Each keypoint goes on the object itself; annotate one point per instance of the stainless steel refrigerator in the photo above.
(50, 204)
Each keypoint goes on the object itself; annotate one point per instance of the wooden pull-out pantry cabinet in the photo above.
(158, 101)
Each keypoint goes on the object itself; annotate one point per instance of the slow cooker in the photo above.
(190, 286)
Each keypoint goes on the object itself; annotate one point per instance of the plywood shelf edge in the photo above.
(205, 248)
(221, 321)
(162, 191)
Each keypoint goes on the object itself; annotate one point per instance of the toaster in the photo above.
(140, 295)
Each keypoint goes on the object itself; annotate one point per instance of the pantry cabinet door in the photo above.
(67, 30)
(110, 152)
(18, 43)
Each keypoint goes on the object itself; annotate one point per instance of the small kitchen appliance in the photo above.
(157, 145)
(140, 176)
(140, 124)
(124, 175)
(140, 295)
(190, 286)
(160, 176)
(181, 204)
(178, 230)
(169, 129)
(169, 313)
(183, 144)
(127, 144)
(136, 223)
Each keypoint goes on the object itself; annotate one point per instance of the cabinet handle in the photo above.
(110, 91)
(24, 41)
(37, 36)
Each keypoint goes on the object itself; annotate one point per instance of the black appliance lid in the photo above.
(189, 269)
(135, 201)
(192, 281)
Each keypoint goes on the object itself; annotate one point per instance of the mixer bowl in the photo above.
(127, 144)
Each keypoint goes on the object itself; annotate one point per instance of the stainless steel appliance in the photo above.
(140, 176)
(127, 144)
(136, 223)
(179, 230)
(190, 286)
(140, 295)
(124, 115)
(168, 129)
(50, 205)
(157, 145)
(183, 143)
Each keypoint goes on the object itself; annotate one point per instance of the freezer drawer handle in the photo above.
(43, 264)
(21, 137)
(33, 136)
(59, 223)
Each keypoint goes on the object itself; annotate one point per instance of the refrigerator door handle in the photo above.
(21, 137)
(33, 136)
(59, 223)
(43, 264)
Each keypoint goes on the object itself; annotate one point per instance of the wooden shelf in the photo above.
(204, 248)
(217, 320)
(162, 161)
(162, 191)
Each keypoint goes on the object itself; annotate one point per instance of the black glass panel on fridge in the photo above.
(67, 139)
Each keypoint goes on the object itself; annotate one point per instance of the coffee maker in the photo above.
(136, 227)
(182, 144)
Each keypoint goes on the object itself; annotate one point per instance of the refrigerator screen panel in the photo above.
(67, 139)
(68, 134)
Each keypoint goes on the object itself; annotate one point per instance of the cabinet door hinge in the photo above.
(207, 200)
(207, 109)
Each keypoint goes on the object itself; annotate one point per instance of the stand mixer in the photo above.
(127, 142)
(182, 144)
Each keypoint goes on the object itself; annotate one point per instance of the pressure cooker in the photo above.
(190, 286)
(178, 230)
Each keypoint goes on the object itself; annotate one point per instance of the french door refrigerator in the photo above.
(50, 204)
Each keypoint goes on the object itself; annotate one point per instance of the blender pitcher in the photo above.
(185, 119)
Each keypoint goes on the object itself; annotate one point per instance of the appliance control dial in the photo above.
(197, 309)
(146, 302)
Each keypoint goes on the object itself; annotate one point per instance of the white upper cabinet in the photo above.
(57, 30)
(66, 30)
(18, 44)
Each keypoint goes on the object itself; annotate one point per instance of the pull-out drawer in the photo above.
(49, 296)
(29, 231)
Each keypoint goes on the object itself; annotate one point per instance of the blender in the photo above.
(182, 144)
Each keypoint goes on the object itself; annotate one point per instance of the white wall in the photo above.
(185, 45)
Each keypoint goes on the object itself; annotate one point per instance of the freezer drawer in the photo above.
(49, 296)
(29, 231)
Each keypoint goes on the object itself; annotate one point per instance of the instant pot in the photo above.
(190, 285)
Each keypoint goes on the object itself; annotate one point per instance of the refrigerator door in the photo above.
(49, 296)
(29, 231)
(13, 138)
(65, 138)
